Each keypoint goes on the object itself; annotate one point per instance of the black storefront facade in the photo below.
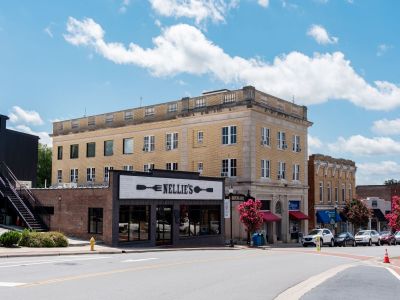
(167, 208)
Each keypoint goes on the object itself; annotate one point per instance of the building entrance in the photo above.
(164, 225)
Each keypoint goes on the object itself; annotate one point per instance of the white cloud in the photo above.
(360, 145)
(124, 6)
(184, 49)
(377, 173)
(314, 144)
(158, 23)
(48, 31)
(321, 35)
(18, 115)
(199, 10)
(263, 3)
(382, 49)
(387, 127)
(44, 136)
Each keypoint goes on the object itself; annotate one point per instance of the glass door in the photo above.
(164, 225)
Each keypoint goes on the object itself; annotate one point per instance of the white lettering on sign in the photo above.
(142, 187)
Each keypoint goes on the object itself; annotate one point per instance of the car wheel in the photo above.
(370, 243)
(378, 243)
(332, 243)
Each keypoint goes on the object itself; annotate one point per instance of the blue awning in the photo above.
(325, 216)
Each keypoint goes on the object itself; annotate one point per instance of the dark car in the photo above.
(387, 238)
(345, 239)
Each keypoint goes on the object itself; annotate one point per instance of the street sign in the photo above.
(227, 208)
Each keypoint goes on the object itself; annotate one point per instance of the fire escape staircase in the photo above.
(21, 199)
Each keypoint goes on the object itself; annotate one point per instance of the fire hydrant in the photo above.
(92, 242)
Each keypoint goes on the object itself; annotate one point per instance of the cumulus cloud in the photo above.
(44, 136)
(314, 144)
(48, 31)
(19, 115)
(199, 10)
(382, 49)
(321, 35)
(386, 127)
(377, 172)
(184, 49)
(360, 145)
(263, 3)
(124, 6)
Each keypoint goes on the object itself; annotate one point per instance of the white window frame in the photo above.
(296, 143)
(128, 115)
(123, 145)
(321, 192)
(127, 168)
(90, 174)
(230, 136)
(149, 111)
(265, 136)
(296, 172)
(265, 168)
(107, 170)
(75, 124)
(148, 167)
(200, 102)
(74, 175)
(171, 166)
(148, 143)
(329, 192)
(281, 170)
(59, 176)
(172, 107)
(200, 137)
(109, 119)
(171, 141)
(281, 135)
(229, 98)
(200, 167)
(229, 167)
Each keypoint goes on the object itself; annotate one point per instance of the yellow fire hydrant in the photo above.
(318, 242)
(92, 242)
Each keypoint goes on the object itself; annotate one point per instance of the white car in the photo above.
(368, 237)
(325, 236)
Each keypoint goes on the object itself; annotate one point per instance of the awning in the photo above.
(379, 215)
(270, 217)
(297, 215)
(343, 217)
(325, 216)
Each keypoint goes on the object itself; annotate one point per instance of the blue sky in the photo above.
(59, 59)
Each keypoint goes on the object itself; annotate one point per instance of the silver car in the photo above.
(397, 237)
(367, 237)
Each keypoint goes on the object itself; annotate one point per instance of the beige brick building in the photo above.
(257, 141)
(332, 182)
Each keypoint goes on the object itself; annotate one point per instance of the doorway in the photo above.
(164, 225)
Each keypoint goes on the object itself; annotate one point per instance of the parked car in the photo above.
(368, 237)
(387, 238)
(345, 239)
(325, 235)
(397, 237)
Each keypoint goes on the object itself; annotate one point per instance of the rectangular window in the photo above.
(265, 136)
(374, 203)
(107, 173)
(229, 135)
(265, 168)
(343, 193)
(59, 176)
(128, 168)
(198, 220)
(336, 195)
(296, 172)
(109, 119)
(91, 174)
(228, 98)
(148, 167)
(281, 170)
(95, 217)
(350, 193)
(282, 140)
(74, 151)
(172, 107)
(296, 143)
(171, 141)
(91, 121)
(128, 115)
(74, 175)
(200, 137)
(75, 124)
(90, 149)
(200, 167)
(108, 148)
(321, 192)
(148, 111)
(329, 192)
(148, 143)
(59, 152)
(265, 204)
(172, 166)
(200, 102)
(134, 223)
(229, 167)
(128, 146)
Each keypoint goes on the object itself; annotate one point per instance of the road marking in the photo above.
(297, 291)
(42, 262)
(137, 260)
(394, 273)
(11, 284)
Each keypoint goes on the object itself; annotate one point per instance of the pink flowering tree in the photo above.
(251, 216)
(394, 217)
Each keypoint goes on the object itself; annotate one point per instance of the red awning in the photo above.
(297, 215)
(270, 217)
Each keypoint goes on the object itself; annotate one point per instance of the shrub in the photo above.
(43, 239)
(10, 238)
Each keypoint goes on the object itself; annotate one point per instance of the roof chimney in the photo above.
(3, 120)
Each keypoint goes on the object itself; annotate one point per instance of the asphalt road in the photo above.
(219, 274)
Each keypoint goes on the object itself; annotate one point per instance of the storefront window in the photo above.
(134, 223)
(95, 220)
(199, 220)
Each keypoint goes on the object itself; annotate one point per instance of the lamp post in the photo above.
(336, 218)
(234, 198)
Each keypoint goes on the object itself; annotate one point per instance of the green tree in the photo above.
(391, 182)
(44, 166)
(357, 213)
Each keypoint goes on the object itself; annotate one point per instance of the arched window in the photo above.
(278, 208)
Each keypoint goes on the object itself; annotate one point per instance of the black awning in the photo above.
(379, 215)
(343, 217)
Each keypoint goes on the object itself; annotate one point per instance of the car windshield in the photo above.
(342, 235)
(315, 231)
(363, 232)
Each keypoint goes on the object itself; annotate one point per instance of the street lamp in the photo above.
(336, 218)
